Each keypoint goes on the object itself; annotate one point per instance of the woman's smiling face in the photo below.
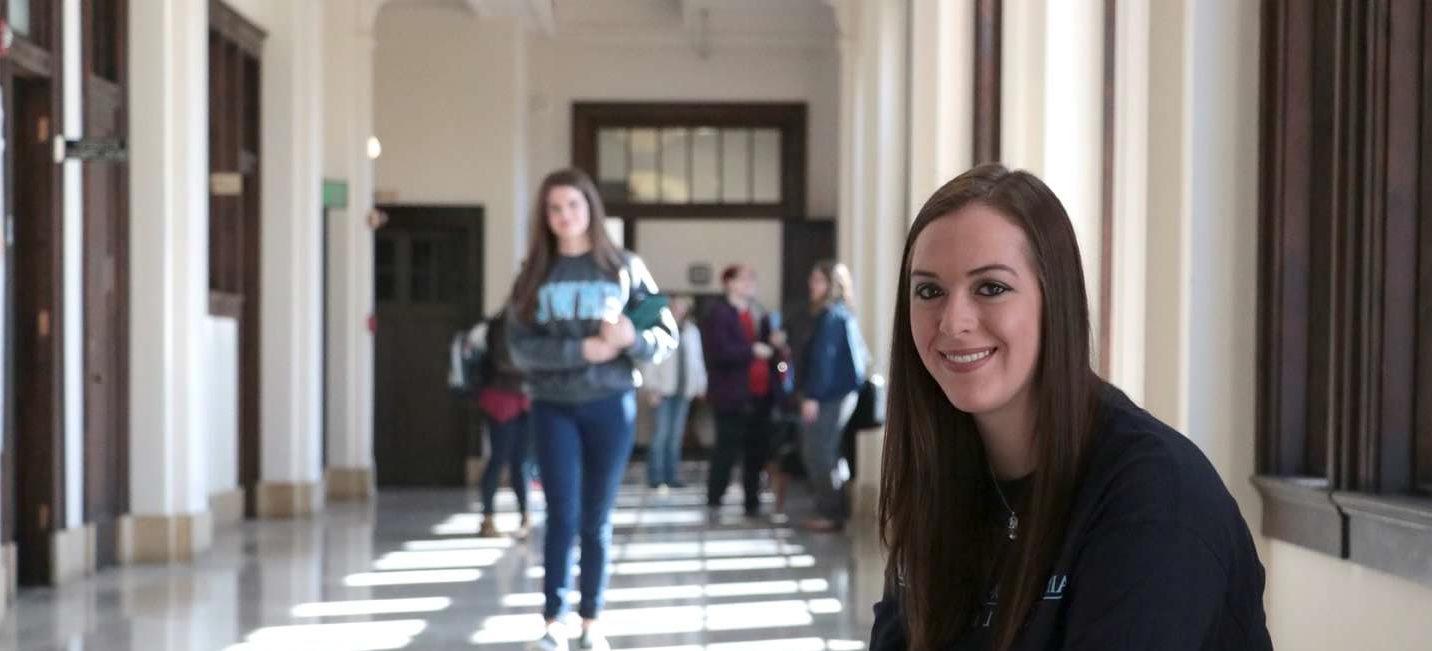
(975, 309)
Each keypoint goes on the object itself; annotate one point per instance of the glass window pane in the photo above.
(642, 177)
(736, 166)
(766, 164)
(20, 16)
(705, 165)
(675, 162)
(612, 163)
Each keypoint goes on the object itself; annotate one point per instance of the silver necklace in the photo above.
(1013, 525)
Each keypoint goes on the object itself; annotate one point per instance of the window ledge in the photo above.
(1389, 533)
(1301, 511)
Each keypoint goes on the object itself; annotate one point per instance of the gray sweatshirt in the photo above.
(571, 305)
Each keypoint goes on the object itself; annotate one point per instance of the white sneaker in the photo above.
(555, 639)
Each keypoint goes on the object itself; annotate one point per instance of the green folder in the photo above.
(645, 312)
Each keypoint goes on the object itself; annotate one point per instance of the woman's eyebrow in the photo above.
(992, 267)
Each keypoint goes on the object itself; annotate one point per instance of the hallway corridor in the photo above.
(408, 573)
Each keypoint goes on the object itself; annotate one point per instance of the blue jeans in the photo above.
(664, 458)
(820, 450)
(509, 442)
(583, 451)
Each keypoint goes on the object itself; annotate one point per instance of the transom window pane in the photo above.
(642, 183)
(686, 165)
(675, 166)
(736, 166)
(706, 166)
(612, 163)
(766, 166)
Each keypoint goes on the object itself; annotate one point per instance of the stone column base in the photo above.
(227, 507)
(72, 554)
(284, 500)
(165, 538)
(349, 484)
(9, 577)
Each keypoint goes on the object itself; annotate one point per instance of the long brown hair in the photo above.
(542, 242)
(840, 287)
(935, 481)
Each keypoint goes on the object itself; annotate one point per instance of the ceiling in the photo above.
(701, 22)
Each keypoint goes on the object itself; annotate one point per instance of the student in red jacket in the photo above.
(739, 344)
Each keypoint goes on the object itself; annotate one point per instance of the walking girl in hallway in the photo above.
(832, 367)
(570, 333)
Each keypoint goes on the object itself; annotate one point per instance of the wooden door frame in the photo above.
(111, 453)
(30, 60)
(241, 296)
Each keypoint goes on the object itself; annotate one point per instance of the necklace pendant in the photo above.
(1013, 525)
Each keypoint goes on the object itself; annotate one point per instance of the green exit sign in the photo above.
(335, 193)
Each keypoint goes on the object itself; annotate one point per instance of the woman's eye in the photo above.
(927, 291)
(991, 289)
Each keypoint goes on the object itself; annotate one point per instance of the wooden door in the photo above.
(106, 331)
(38, 453)
(428, 284)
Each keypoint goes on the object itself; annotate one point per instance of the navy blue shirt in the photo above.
(1157, 556)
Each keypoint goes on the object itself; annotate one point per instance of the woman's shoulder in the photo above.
(1144, 468)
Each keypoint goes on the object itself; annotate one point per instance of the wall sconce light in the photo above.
(375, 148)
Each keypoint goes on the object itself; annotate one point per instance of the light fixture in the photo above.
(375, 148)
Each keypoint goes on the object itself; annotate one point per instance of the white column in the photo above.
(1053, 115)
(348, 71)
(875, 183)
(73, 279)
(1200, 229)
(1021, 101)
(291, 285)
(850, 133)
(1131, 173)
(1168, 217)
(886, 169)
(169, 260)
(1222, 201)
(941, 94)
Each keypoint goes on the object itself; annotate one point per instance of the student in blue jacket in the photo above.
(831, 369)
(1025, 503)
(569, 334)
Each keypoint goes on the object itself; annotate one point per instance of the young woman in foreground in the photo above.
(1025, 503)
